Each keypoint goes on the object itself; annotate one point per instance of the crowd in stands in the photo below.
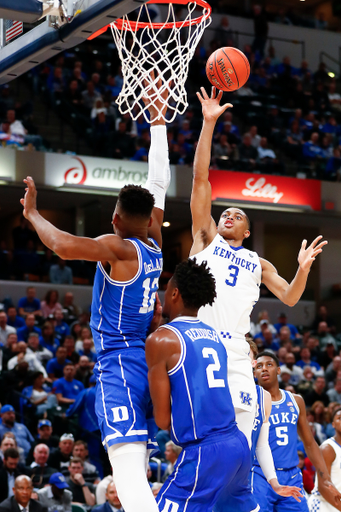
(48, 427)
(284, 121)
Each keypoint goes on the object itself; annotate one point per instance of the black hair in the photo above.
(11, 453)
(136, 201)
(334, 412)
(195, 283)
(268, 353)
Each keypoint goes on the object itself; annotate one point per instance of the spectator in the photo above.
(8, 424)
(8, 474)
(320, 21)
(60, 458)
(172, 452)
(266, 156)
(22, 460)
(112, 503)
(268, 341)
(293, 144)
(224, 153)
(312, 150)
(332, 170)
(60, 273)
(50, 304)
(56, 365)
(318, 393)
(21, 498)
(70, 310)
(332, 369)
(223, 33)
(57, 496)
(61, 328)
(84, 406)
(40, 395)
(69, 344)
(33, 347)
(33, 362)
(307, 383)
(22, 234)
(334, 393)
(308, 482)
(5, 329)
(264, 315)
(334, 98)
(89, 96)
(48, 339)
(101, 489)
(296, 371)
(283, 321)
(88, 346)
(84, 371)
(247, 153)
(84, 333)
(255, 137)
(73, 94)
(30, 304)
(321, 74)
(324, 335)
(14, 381)
(39, 471)
(45, 436)
(67, 388)
(281, 354)
(260, 30)
(82, 492)
(122, 145)
(13, 319)
(306, 361)
(323, 316)
(90, 473)
(24, 332)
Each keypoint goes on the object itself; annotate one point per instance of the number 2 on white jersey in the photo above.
(148, 301)
(213, 382)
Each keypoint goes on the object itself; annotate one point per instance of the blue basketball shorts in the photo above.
(269, 501)
(202, 472)
(123, 404)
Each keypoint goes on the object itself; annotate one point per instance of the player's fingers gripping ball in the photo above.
(228, 69)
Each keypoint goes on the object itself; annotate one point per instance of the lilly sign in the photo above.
(92, 171)
(265, 188)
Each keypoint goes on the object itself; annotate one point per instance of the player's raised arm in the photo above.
(202, 221)
(264, 456)
(159, 175)
(326, 488)
(67, 246)
(291, 293)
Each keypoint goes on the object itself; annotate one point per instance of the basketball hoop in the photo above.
(158, 53)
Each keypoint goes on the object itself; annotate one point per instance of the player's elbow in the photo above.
(290, 302)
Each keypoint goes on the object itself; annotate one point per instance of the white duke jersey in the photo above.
(238, 275)
(121, 311)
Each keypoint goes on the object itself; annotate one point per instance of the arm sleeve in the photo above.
(158, 165)
(263, 453)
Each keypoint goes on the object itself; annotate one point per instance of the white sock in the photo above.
(245, 421)
(128, 461)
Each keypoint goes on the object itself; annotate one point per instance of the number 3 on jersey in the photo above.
(232, 280)
(149, 299)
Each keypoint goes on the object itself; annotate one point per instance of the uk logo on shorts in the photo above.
(245, 398)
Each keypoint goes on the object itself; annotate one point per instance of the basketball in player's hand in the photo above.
(228, 69)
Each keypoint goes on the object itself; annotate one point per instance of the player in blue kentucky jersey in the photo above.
(188, 384)
(238, 271)
(287, 418)
(122, 311)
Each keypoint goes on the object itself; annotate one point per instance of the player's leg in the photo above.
(201, 472)
(241, 384)
(128, 462)
(263, 493)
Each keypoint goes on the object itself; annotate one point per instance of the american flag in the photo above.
(13, 29)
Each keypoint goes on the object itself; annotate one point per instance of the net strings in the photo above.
(166, 52)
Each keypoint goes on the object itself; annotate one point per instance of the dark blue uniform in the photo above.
(283, 443)
(121, 314)
(215, 453)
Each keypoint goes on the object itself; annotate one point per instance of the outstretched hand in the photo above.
(157, 317)
(307, 255)
(29, 201)
(211, 107)
(152, 99)
(287, 491)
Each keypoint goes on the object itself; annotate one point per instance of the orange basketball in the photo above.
(228, 69)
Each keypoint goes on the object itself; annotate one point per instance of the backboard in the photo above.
(76, 22)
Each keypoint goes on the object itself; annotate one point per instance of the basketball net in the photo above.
(153, 51)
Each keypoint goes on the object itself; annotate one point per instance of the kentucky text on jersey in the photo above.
(199, 334)
(224, 253)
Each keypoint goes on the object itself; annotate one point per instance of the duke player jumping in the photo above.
(287, 418)
(121, 313)
(238, 271)
(188, 384)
